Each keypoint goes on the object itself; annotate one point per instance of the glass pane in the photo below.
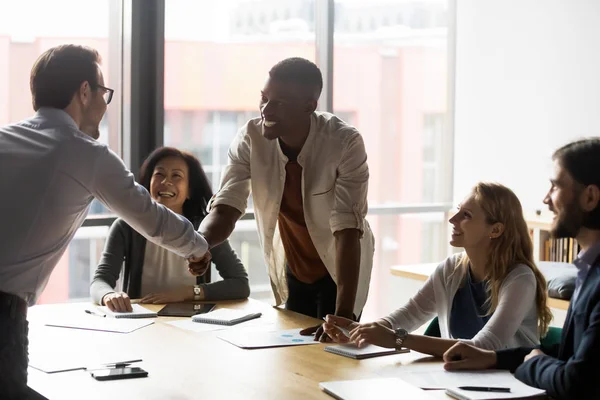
(70, 280)
(402, 240)
(245, 242)
(217, 56)
(390, 81)
(24, 35)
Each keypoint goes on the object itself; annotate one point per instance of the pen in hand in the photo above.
(344, 331)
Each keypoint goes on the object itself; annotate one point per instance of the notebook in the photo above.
(369, 351)
(225, 316)
(373, 388)
(138, 312)
(518, 390)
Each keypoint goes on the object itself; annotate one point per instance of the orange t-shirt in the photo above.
(302, 256)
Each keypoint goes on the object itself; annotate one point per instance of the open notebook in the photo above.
(225, 316)
(350, 350)
(138, 312)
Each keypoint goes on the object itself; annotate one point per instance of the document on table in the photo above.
(373, 389)
(256, 340)
(94, 323)
(435, 377)
(518, 390)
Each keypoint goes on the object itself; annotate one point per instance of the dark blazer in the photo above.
(570, 370)
(125, 247)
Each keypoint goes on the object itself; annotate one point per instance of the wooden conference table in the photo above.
(195, 365)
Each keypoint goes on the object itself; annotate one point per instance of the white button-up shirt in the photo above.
(49, 174)
(335, 179)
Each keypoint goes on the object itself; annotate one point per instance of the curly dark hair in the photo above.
(194, 208)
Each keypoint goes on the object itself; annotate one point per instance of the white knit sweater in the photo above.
(513, 324)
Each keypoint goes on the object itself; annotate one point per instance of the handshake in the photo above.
(199, 266)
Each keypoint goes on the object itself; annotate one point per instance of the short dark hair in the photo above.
(299, 71)
(200, 192)
(59, 72)
(581, 159)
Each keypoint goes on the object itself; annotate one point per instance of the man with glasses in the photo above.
(51, 168)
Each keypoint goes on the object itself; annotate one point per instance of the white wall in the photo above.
(527, 81)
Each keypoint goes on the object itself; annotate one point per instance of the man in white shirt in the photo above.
(308, 175)
(51, 168)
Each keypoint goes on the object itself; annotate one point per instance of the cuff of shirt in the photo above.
(507, 359)
(239, 205)
(201, 246)
(347, 220)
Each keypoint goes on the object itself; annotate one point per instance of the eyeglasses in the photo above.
(108, 95)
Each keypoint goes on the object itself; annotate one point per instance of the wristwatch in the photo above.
(400, 335)
(197, 292)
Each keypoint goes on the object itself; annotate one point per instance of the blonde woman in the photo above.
(492, 295)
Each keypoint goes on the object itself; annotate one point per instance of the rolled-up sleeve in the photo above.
(115, 186)
(351, 187)
(235, 184)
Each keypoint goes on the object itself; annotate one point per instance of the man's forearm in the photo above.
(347, 247)
(218, 224)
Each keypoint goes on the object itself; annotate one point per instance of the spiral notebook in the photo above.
(369, 351)
(225, 316)
(138, 312)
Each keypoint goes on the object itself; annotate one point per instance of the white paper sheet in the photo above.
(93, 323)
(435, 377)
(518, 390)
(255, 340)
(138, 311)
(377, 388)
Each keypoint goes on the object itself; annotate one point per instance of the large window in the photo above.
(389, 79)
(217, 57)
(28, 28)
(390, 74)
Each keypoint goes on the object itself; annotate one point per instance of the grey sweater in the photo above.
(125, 247)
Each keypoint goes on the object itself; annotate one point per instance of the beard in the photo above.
(568, 222)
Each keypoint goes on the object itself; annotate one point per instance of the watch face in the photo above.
(401, 333)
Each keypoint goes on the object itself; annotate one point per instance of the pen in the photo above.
(345, 331)
(485, 389)
(120, 364)
(95, 313)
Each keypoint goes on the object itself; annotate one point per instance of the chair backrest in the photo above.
(552, 337)
(433, 329)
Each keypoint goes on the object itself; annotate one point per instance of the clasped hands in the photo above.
(199, 266)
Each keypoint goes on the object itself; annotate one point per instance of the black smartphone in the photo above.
(118, 373)
(185, 309)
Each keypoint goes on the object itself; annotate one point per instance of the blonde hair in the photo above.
(512, 247)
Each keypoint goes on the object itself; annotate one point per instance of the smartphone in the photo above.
(185, 309)
(118, 373)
